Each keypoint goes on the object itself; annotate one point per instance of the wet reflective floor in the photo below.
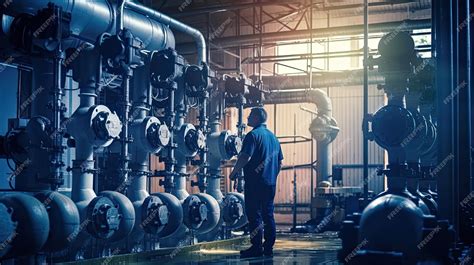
(289, 249)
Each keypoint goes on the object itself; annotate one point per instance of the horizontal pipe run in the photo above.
(236, 41)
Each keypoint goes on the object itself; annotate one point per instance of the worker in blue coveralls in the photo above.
(260, 158)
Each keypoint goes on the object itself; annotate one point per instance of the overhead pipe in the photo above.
(320, 80)
(323, 128)
(227, 7)
(173, 24)
(90, 19)
(242, 40)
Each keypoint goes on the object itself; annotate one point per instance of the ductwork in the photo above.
(323, 128)
(90, 19)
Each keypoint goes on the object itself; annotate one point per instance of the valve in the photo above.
(242, 91)
(233, 145)
(391, 126)
(120, 52)
(195, 212)
(158, 135)
(198, 79)
(195, 140)
(155, 215)
(104, 217)
(41, 32)
(106, 125)
(165, 66)
(324, 129)
(233, 210)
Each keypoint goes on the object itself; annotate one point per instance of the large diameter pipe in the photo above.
(90, 19)
(176, 25)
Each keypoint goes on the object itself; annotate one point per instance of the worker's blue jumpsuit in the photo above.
(260, 175)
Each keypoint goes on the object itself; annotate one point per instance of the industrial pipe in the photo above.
(320, 80)
(351, 30)
(95, 126)
(90, 19)
(323, 128)
(173, 24)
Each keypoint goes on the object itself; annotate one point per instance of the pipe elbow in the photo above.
(322, 101)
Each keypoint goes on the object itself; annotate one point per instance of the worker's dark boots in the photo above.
(251, 252)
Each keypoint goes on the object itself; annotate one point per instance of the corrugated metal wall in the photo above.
(347, 148)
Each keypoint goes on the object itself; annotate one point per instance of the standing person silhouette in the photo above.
(260, 158)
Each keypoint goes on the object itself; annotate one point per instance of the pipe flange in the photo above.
(239, 223)
(105, 124)
(155, 215)
(195, 212)
(175, 216)
(104, 217)
(233, 146)
(189, 140)
(324, 129)
(195, 140)
(158, 135)
(392, 125)
(233, 210)
(213, 213)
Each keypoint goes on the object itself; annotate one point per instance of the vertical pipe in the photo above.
(120, 16)
(366, 100)
(311, 45)
(140, 157)
(260, 42)
(470, 10)
(203, 124)
(170, 158)
(444, 76)
(125, 125)
(239, 49)
(455, 112)
(463, 85)
(295, 195)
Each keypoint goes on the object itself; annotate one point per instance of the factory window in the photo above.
(336, 54)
